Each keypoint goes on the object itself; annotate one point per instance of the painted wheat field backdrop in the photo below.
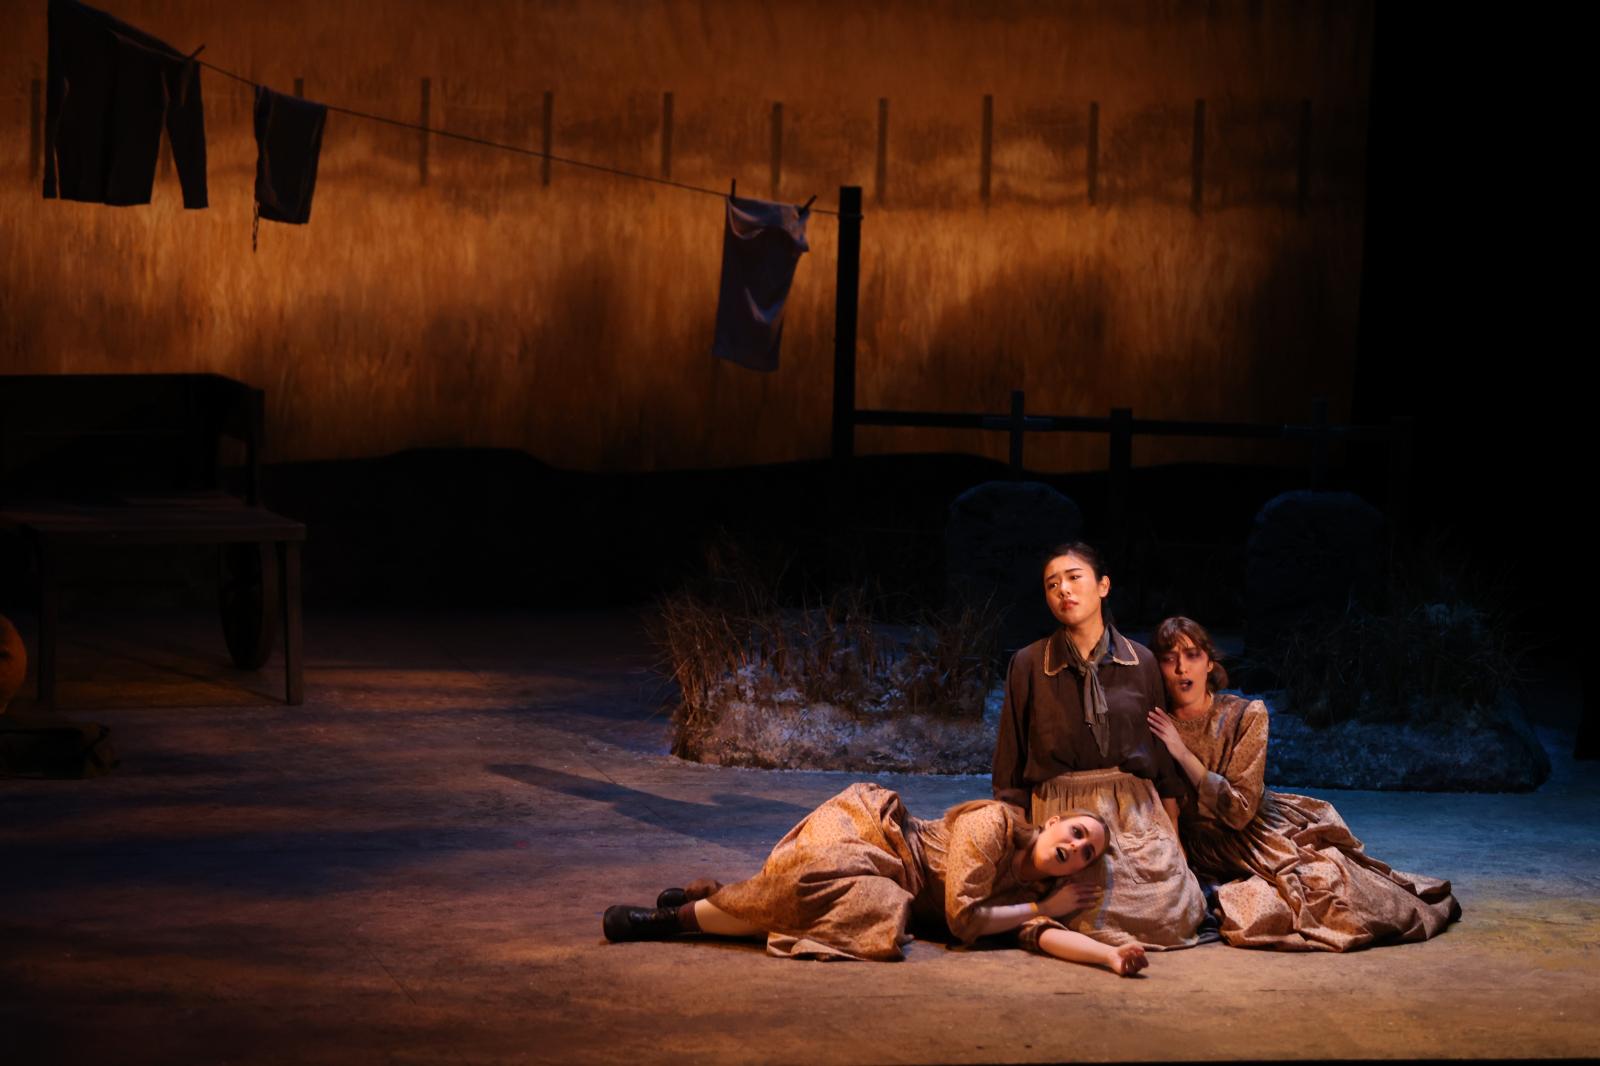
(573, 320)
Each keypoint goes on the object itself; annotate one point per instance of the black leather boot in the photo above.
(672, 897)
(641, 923)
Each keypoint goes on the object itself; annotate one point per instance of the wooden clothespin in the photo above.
(733, 188)
(807, 205)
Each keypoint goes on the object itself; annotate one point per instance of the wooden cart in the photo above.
(151, 459)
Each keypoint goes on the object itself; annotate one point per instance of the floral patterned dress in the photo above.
(853, 878)
(1292, 875)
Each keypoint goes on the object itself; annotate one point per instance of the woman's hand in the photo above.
(1126, 960)
(1068, 899)
(1166, 731)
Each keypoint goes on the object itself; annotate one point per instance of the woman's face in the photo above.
(1072, 592)
(1184, 668)
(1066, 845)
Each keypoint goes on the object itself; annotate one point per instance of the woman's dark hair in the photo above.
(1081, 550)
(1178, 628)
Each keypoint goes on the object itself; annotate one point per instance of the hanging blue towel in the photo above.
(761, 245)
(288, 142)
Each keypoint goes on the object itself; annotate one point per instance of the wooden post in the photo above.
(1094, 152)
(1198, 176)
(35, 128)
(666, 135)
(1303, 184)
(300, 88)
(1016, 428)
(549, 136)
(426, 124)
(293, 630)
(777, 147)
(881, 175)
(1319, 442)
(1121, 474)
(49, 606)
(847, 286)
(987, 149)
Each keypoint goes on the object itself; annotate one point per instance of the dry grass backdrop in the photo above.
(574, 321)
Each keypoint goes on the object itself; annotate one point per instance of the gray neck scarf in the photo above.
(1094, 697)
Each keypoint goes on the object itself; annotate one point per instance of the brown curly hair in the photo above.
(1173, 631)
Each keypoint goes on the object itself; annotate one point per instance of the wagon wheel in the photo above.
(248, 583)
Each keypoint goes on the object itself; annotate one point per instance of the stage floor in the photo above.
(411, 868)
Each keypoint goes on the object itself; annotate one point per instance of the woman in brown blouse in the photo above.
(1074, 734)
(1292, 875)
(852, 878)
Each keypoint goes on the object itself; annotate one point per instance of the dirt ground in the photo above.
(412, 867)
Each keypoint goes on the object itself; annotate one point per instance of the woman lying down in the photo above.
(858, 873)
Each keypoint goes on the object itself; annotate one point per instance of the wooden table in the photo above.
(202, 518)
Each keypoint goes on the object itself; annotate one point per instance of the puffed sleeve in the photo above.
(1011, 743)
(979, 843)
(1232, 793)
(1030, 931)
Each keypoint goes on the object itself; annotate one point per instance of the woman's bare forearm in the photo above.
(1075, 947)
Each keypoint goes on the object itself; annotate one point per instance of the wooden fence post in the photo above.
(1198, 175)
(1016, 430)
(1121, 474)
(1303, 182)
(1094, 152)
(422, 138)
(548, 137)
(666, 135)
(847, 286)
(881, 175)
(777, 147)
(35, 128)
(987, 149)
(1319, 442)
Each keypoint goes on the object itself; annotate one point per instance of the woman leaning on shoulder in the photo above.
(1289, 874)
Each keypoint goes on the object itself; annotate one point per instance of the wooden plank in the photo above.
(422, 138)
(1092, 177)
(548, 137)
(35, 128)
(777, 147)
(986, 149)
(1198, 161)
(666, 135)
(847, 285)
(881, 173)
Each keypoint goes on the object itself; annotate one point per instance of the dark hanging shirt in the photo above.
(110, 88)
(1043, 733)
(288, 142)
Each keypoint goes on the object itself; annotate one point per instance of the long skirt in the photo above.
(837, 886)
(1309, 886)
(1148, 894)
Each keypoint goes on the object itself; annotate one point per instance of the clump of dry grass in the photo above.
(761, 684)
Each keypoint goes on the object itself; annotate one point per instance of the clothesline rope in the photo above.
(485, 142)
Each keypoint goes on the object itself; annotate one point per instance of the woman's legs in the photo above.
(713, 919)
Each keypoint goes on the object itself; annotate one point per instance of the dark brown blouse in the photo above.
(1042, 731)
